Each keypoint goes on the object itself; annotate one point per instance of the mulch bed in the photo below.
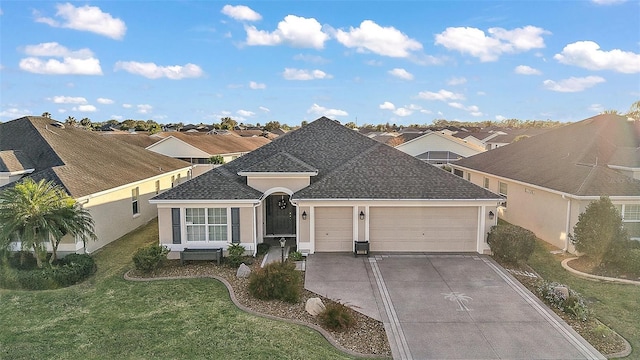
(367, 337)
(589, 266)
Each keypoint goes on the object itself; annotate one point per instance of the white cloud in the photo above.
(526, 70)
(127, 106)
(53, 49)
(68, 100)
(86, 18)
(401, 73)
(456, 81)
(456, 105)
(573, 84)
(116, 117)
(373, 62)
(316, 59)
(442, 95)
(471, 109)
(85, 108)
(265, 109)
(597, 108)
(387, 106)
(425, 111)
(153, 71)
(144, 108)
(587, 54)
(608, 2)
(402, 112)
(294, 31)
(322, 111)
(385, 41)
(303, 74)
(245, 113)
(241, 13)
(500, 117)
(498, 41)
(14, 113)
(105, 101)
(256, 86)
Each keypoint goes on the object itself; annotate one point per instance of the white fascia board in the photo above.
(397, 202)
(557, 192)
(203, 201)
(203, 153)
(135, 183)
(627, 168)
(278, 174)
(19, 172)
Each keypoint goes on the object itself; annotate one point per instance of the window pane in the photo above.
(218, 216)
(194, 216)
(503, 188)
(196, 233)
(631, 212)
(218, 233)
(486, 183)
(633, 228)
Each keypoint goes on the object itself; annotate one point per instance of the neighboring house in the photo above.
(113, 180)
(550, 179)
(512, 136)
(438, 149)
(478, 138)
(326, 186)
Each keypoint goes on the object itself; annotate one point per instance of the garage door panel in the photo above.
(334, 229)
(423, 229)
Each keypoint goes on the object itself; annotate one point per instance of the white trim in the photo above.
(276, 190)
(204, 201)
(627, 168)
(20, 172)
(312, 230)
(355, 219)
(132, 184)
(300, 174)
(150, 147)
(557, 192)
(482, 213)
(367, 212)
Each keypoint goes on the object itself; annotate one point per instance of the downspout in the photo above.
(255, 229)
(568, 221)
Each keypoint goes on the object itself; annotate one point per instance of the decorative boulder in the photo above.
(314, 306)
(243, 271)
(563, 291)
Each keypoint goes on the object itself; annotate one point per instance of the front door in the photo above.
(281, 215)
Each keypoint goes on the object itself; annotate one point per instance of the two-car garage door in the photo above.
(424, 229)
(399, 229)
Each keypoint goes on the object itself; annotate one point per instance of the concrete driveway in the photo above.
(447, 306)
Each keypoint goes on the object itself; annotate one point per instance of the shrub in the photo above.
(263, 248)
(22, 260)
(278, 281)
(235, 255)
(150, 258)
(295, 256)
(626, 259)
(573, 305)
(511, 244)
(337, 317)
(65, 272)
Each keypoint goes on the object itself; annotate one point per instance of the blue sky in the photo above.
(403, 62)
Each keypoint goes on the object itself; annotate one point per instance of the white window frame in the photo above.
(505, 194)
(625, 219)
(486, 183)
(208, 226)
(135, 201)
(157, 187)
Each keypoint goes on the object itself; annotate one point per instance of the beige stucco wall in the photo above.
(436, 142)
(176, 148)
(289, 182)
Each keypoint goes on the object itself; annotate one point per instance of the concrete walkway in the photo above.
(447, 307)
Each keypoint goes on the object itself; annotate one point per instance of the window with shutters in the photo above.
(208, 224)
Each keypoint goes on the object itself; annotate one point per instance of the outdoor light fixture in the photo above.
(361, 215)
(304, 215)
(283, 242)
(491, 215)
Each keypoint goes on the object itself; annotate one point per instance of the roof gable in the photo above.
(281, 162)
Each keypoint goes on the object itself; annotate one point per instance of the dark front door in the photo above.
(281, 215)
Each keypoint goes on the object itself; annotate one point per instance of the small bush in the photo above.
(22, 260)
(263, 248)
(65, 272)
(235, 255)
(150, 258)
(337, 317)
(573, 305)
(296, 256)
(511, 244)
(626, 260)
(278, 281)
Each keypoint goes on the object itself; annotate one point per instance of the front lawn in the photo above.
(616, 305)
(108, 317)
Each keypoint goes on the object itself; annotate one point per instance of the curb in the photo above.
(232, 295)
(565, 265)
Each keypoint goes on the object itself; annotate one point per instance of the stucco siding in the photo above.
(266, 183)
(436, 142)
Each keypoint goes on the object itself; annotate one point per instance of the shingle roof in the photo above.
(12, 161)
(349, 165)
(281, 162)
(217, 144)
(81, 161)
(571, 159)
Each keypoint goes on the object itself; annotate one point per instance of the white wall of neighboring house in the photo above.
(438, 142)
(177, 148)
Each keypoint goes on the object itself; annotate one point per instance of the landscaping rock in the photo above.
(563, 291)
(314, 306)
(243, 271)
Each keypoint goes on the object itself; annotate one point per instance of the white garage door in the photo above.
(334, 231)
(423, 229)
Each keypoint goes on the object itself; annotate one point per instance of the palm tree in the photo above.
(70, 121)
(37, 213)
(46, 115)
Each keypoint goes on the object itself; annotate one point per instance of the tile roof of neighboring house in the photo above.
(215, 144)
(81, 161)
(349, 165)
(281, 162)
(571, 159)
(14, 161)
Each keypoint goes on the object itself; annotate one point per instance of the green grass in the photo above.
(107, 317)
(616, 305)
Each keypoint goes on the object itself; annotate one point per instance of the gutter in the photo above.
(567, 223)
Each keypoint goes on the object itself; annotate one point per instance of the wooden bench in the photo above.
(201, 254)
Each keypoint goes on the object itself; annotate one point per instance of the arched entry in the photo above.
(280, 215)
